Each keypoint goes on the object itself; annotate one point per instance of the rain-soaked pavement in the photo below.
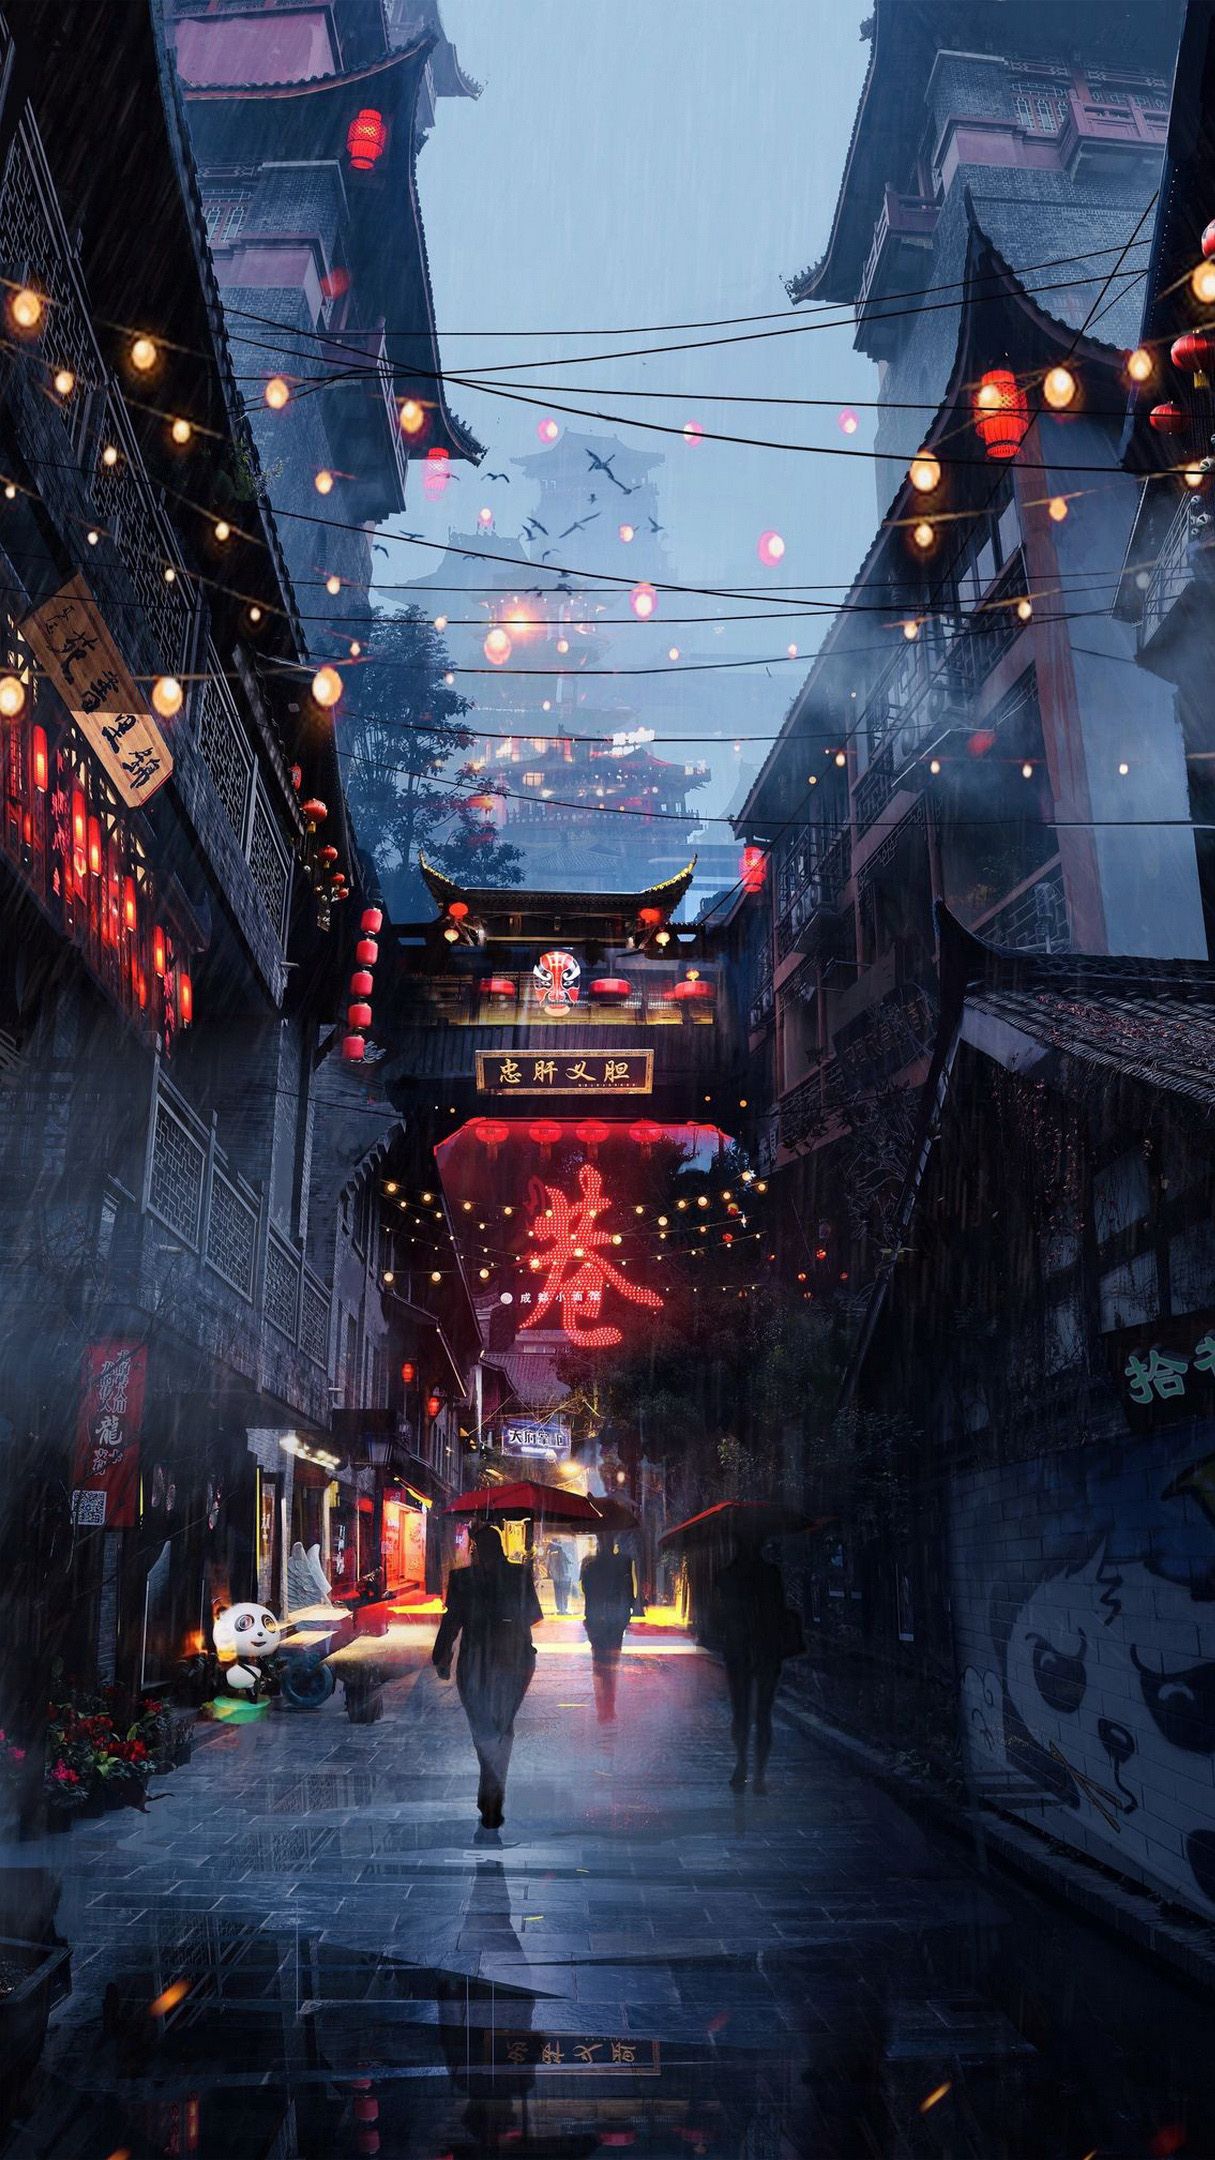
(302, 1951)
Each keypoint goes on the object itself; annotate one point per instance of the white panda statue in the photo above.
(243, 1635)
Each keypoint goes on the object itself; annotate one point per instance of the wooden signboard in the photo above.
(72, 644)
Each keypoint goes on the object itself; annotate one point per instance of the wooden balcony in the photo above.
(1101, 128)
(902, 240)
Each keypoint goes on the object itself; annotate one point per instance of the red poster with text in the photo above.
(105, 1476)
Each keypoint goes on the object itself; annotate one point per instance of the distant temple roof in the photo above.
(541, 913)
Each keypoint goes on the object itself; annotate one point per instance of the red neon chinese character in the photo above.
(576, 1268)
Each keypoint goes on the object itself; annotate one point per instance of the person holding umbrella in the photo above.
(751, 1628)
(492, 1608)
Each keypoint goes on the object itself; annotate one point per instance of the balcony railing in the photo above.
(819, 896)
(905, 223)
(987, 634)
(204, 1202)
(1173, 570)
(1096, 124)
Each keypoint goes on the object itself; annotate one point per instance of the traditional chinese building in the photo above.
(306, 125)
(167, 960)
(1030, 1564)
(589, 809)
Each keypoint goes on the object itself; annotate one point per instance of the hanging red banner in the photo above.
(105, 1476)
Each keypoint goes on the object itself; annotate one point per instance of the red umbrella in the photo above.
(526, 1497)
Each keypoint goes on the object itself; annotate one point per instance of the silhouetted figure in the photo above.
(608, 1588)
(748, 1628)
(559, 1576)
(492, 1606)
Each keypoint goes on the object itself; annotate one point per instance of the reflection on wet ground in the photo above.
(303, 1950)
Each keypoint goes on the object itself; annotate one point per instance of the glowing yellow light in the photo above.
(333, 586)
(1058, 508)
(255, 614)
(109, 456)
(497, 647)
(276, 393)
(911, 630)
(144, 355)
(326, 686)
(673, 653)
(1202, 282)
(167, 696)
(563, 645)
(355, 648)
(412, 417)
(223, 531)
(170, 574)
(1195, 474)
(26, 309)
(1140, 365)
(627, 532)
(12, 696)
(323, 482)
(1059, 387)
(923, 534)
(841, 757)
(181, 431)
(934, 766)
(1027, 770)
(92, 536)
(440, 622)
(1025, 609)
(65, 381)
(176, 1992)
(1124, 769)
(924, 472)
(435, 1275)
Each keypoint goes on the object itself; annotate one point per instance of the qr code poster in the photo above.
(88, 1509)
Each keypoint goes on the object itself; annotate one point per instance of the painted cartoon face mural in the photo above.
(1107, 1703)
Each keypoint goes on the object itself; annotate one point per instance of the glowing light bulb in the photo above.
(326, 686)
(144, 355)
(1025, 609)
(223, 531)
(1124, 769)
(92, 536)
(485, 515)
(1140, 365)
(563, 644)
(1194, 474)
(181, 431)
(497, 647)
(355, 648)
(12, 696)
(693, 433)
(1058, 508)
(924, 472)
(643, 600)
(65, 381)
(911, 630)
(1059, 387)
(1202, 282)
(109, 456)
(841, 757)
(167, 696)
(847, 421)
(412, 416)
(934, 766)
(26, 309)
(770, 548)
(626, 532)
(323, 482)
(673, 653)
(255, 614)
(923, 534)
(170, 574)
(547, 429)
(791, 651)
(440, 622)
(277, 393)
(1027, 770)
(10, 492)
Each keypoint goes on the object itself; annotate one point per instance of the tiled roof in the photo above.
(1164, 1041)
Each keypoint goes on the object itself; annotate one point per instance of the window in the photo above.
(1040, 111)
(1128, 1294)
(225, 216)
(533, 779)
(1120, 1196)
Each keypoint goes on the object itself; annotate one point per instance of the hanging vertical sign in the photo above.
(72, 644)
(105, 1474)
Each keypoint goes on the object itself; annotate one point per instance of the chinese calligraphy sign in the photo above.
(565, 2052)
(73, 646)
(572, 1246)
(1160, 1375)
(105, 1476)
(584, 1072)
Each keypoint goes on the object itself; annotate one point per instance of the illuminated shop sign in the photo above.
(585, 1072)
(550, 1438)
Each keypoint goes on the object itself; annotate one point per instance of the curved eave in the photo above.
(312, 86)
(443, 890)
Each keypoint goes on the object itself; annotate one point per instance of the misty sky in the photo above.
(631, 164)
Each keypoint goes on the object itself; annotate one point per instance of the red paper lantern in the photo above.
(353, 1048)
(40, 759)
(130, 909)
(544, 1132)
(315, 810)
(491, 1132)
(610, 989)
(367, 952)
(297, 778)
(434, 1403)
(687, 993)
(361, 983)
(159, 956)
(1001, 413)
(358, 1015)
(370, 921)
(752, 869)
(327, 855)
(458, 910)
(592, 1132)
(650, 916)
(1208, 240)
(498, 986)
(185, 998)
(409, 1372)
(645, 1134)
(1168, 419)
(95, 846)
(1194, 352)
(365, 139)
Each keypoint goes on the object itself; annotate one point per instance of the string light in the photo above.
(1025, 609)
(168, 696)
(1058, 508)
(333, 586)
(12, 696)
(1124, 769)
(911, 631)
(323, 483)
(1059, 387)
(923, 535)
(26, 309)
(924, 473)
(1027, 770)
(1202, 282)
(65, 381)
(1140, 365)
(144, 355)
(326, 686)
(181, 431)
(223, 531)
(276, 393)
(109, 456)
(412, 416)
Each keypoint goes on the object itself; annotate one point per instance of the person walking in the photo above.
(608, 1590)
(492, 1607)
(559, 1576)
(749, 1628)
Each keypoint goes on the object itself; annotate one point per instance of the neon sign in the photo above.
(572, 1240)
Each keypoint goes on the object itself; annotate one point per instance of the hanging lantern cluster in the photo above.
(1001, 414)
(362, 982)
(329, 881)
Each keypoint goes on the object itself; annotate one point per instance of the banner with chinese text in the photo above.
(580, 1072)
(72, 644)
(105, 1475)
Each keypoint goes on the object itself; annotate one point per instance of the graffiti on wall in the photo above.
(1084, 1599)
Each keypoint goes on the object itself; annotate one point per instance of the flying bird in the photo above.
(655, 527)
(604, 465)
(578, 525)
(499, 476)
(532, 526)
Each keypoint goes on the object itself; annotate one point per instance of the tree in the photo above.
(404, 723)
